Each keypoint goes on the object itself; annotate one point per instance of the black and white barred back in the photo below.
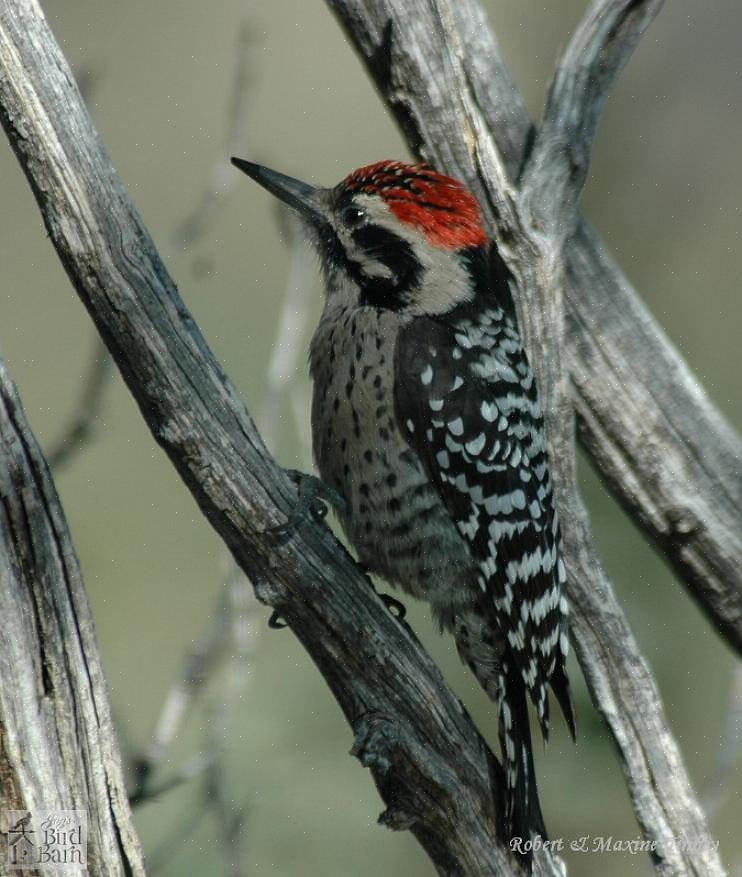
(469, 406)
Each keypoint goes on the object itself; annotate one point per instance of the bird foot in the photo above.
(276, 621)
(314, 497)
(398, 610)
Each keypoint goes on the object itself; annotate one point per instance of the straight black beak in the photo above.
(299, 196)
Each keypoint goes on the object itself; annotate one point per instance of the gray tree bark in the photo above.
(58, 749)
(653, 434)
(439, 69)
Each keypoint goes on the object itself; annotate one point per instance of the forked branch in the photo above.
(430, 764)
(449, 88)
(558, 163)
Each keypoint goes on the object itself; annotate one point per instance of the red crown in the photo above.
(439, 206)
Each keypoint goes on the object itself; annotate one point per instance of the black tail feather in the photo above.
(523, 818)
(560, 686)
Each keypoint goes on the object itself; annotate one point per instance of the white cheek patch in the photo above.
(444, 282)
(373, 268)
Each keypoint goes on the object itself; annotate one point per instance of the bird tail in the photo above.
(560, 686)
(523, 818)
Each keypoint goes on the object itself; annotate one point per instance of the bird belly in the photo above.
(395, 518)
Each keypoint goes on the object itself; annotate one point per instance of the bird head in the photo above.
(390, 235)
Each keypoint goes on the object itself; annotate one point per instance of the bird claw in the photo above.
(398, 610)
(276, 622)
(314, 497)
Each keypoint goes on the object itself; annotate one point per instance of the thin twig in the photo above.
(229, 638)
(597, 52)
(196, 670)
(718, 784)
(283, 366)
(233, 620)
(199, 663)
(221, 178)
(83, 421)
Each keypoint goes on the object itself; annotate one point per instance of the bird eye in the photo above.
(352, 216)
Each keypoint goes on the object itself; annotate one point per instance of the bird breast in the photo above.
(395, 517)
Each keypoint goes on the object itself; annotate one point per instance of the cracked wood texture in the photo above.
(58, 749)
(432, 768)
(430, 765)
(655, 437)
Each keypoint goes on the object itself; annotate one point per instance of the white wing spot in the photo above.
(489, 567)
(435, 404)
(452, 445)
(489, 411)
(456, 427)
(476, 495)
(475, 446)
(427, 375)
(495, 450)
(469, 528)
(548, 561)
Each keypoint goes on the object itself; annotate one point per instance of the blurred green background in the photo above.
(664, 191)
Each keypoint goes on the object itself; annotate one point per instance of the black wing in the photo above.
(468, 405)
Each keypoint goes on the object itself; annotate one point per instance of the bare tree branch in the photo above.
(429, 763)
(58, 748)
(651, 430)
(619, 678)
(427, 75)
(557, 166)
(188, 232)
(372, 663)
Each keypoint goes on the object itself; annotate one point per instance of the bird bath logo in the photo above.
(49, 839)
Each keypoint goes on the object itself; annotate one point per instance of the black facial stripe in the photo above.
(329, 245)
(398, 256)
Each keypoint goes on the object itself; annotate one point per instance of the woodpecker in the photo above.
(426, 420)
